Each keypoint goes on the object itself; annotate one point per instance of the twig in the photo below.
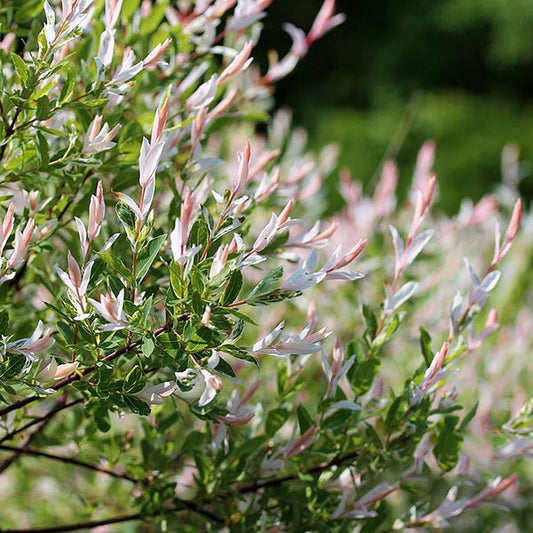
(67, 460)
(76, 527)
(59, 407)
(10, 460)
(257, 485)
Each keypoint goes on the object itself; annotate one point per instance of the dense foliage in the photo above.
(184, 346)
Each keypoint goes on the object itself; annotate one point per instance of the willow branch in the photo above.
(47, 416)
(76, 527)
(27, 441)
(257, 485)
(67, 460)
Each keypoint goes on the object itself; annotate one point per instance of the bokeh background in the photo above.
(398, 72)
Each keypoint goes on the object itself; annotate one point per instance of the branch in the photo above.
(59, 407)
(67, 460)
(187, 506)
(257, 485)
(27, 441)
(75, 377)
(75, 527)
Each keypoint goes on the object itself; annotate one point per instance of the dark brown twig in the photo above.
(59, 407)
(67, 460)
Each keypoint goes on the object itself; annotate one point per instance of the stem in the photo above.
(67, 460)
(75, 527)
(60, 406)
(257, 485)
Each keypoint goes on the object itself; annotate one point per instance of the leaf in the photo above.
(304, 419)
(364, 374)
(175, 279)
(4, 322)
(117, 265)
(370, 320)
(232, 289)
(337, 420)
(239, 353)
(387, 331)
(135, 381)
(468, 417)
(101, 417)
(22, 69)
(148, 346)
(150, 23)
(43, 151)
(449, 443)
(42, 112)
(425, 346)
(137, 406)
(225, 368)
(147, 257)
(66, 332)
(267, 283)
(275, 419)
(193, 441)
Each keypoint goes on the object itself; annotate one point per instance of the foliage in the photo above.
(164, 313)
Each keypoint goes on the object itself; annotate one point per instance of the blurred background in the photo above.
(398, 72)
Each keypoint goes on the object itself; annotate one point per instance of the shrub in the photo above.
(167, 294)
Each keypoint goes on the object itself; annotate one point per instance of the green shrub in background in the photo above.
(184, 346)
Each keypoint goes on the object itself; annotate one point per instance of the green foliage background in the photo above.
(399, 72)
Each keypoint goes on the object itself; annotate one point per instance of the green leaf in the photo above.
(449, 443)
(4, 322)
(304, 419)
(267, 283)
(388, 330)
(148, 346)
(135, 381)
(126, 215)
(137, 406)
(225, 368)
(43, 151)
(150, 23)
(370, 320)
(394, 414)
(101, 417)
(239, 353)
(66, 332)
(338, 420)
(232, 289)
(275, 419)
(193, 441)
(425, 346)
(148, 255)
(468, 417)
(274, 297)
(117, 265)
(364, 374)
(22, 69)
(42, 111)
(175, 279)
(128, 9)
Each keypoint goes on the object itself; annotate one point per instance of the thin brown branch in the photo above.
(67, 460)
(184, 506)
(77, 527)
(59, 407)
(257, 485)
(27, 441)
